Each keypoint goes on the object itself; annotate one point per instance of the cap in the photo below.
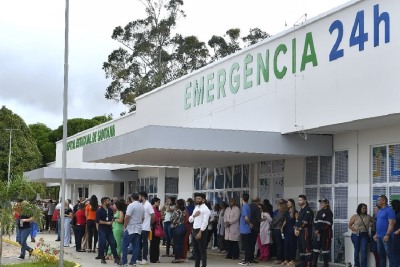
(324, 200)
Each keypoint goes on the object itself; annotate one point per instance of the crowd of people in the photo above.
(122, 227)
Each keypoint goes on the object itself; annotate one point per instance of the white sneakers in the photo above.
(143, 262)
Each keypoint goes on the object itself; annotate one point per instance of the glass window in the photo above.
(311, 170)
(379, 161)
(219, 178)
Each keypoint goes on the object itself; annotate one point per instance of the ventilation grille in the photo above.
(312, 171)
(341, 197)
(325, 170)
(341, 166)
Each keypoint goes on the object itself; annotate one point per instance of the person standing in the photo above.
(91, 210)
(359, 225)
(199, 218)
(303, 231)
(396, 234)
(373, 245)
(178, 223)
(80, 227)
(134, 218)
(232, 230)
(155, 241)
(24, 225)
(104, 219)
(168, 209)
(385, 220)
(255, 219)
(290, 241)
(190, 207)
(148, 219)
(245, 230)
(264, 238)
(277, 229)
(50, 211)
(118, 225)
(68, 215)
(221, 228)
(323, 232)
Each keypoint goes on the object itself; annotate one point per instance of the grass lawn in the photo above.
(32, 264)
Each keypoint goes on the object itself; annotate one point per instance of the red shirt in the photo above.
(80, 217)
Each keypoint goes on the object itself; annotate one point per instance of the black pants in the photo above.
(92, 232)
(246, 244)
(200, 248)
(79, 231)
(253, 242)
(304, 246)
(233, 249)
(277, 236)
(154, 249)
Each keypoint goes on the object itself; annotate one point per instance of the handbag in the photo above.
(158, 230)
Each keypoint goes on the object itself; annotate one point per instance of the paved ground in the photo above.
(88, 259)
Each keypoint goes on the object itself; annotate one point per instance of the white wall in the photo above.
(185, 183)
(294, 177)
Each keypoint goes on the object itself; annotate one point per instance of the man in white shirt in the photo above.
(148, 219)
(199, 218)
(132, 230)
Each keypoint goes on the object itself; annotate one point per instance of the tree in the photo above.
(223, 47)
(25, 154)
(190, 55)
(255, 35)
(41, 133)
(77, 125)
(145, 60)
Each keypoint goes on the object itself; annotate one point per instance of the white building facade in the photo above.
(309, 111)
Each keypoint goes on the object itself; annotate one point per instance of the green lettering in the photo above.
(312, 57)
(234, 87)
(263, 68)
(294, 55)
(279, 74)
(210, 86)
(94, 137)
(221, 83)
(112, 130)
(188, 95)
(198, 92)
(247, 71)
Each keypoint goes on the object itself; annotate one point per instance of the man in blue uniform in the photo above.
(323, 232)
(303, 230)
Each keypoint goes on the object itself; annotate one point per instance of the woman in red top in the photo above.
(155, 241)
(80, 227)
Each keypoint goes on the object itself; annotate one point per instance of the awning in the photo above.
(79, 176)
(195, 147)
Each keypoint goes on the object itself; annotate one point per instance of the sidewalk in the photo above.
(85, 259)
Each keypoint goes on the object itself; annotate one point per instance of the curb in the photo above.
(8, 241)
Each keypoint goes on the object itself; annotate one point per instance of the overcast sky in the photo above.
(32, 46)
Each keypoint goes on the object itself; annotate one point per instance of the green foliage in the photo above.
(25, 153)
(255, 35)
(77, 125)
(19, 188)
(41, 133)
(149, 56)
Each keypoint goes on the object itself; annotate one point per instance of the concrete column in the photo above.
(161, 185)
(185, 186)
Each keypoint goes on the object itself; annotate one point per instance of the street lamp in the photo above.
(9, 156)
